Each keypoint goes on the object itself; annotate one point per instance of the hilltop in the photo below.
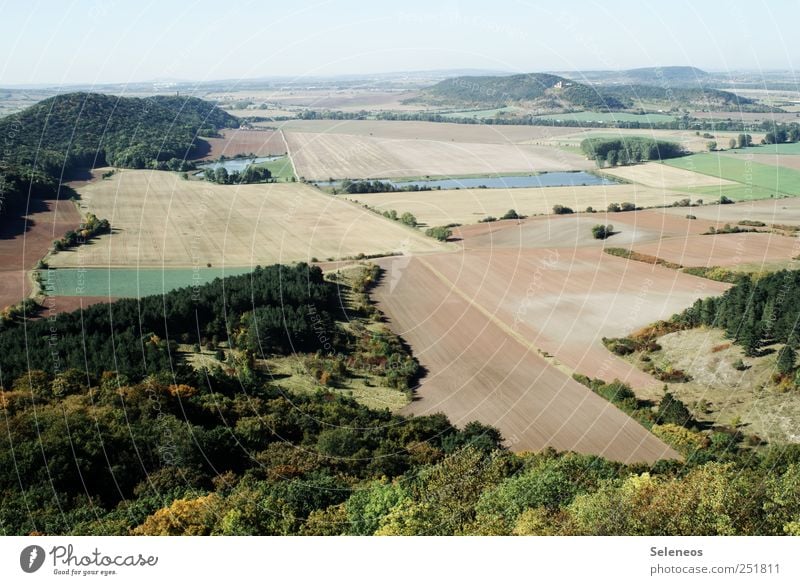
(75, 130)
(538, 90)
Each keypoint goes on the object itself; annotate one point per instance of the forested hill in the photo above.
(552, 92)
(548, 91)
(74, 130)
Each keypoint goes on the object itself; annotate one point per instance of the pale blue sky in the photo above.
(98, 41)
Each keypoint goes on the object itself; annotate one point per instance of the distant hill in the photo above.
(542, 90)
(548, 92)
(76, 130)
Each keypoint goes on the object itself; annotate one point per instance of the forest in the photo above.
(82, 130)
(138, 443)
(628, 150)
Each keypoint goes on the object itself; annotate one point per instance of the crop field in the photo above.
(478, 369)
(755, 180)
(747, 116)
(128, 282)
(162, 220)
(25, 240)
(724, 249)
(789, 161)
(662, 176)
(338, 156)
(280, 168)
(235, 142)
(609, 117)
(769, 211)
(686, 138)
(438, 131)
(784, 148)
(467, 206)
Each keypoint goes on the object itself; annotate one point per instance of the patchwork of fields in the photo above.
(161, 220)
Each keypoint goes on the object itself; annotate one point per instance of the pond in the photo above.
(237, 164)
(554, 179)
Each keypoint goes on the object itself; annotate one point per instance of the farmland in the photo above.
(471, 205)
(609, 117)
(662, 176)
(237, 142)
(161, 220)
(476, 370)
(754, 180)
(327, 155)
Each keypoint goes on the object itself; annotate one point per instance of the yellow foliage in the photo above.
(183, 518)
(680, 437)
(181, 391)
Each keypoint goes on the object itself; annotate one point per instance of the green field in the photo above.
(281, 168)
(127, 282)
(784, 148)
(493, 113)
(756, 180)
(605, 117)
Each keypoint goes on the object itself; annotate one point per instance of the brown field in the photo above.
(724, 249)
(160, 219)
(780, 211)
(477, 369)
(263, 113)
(324, 99)
(470, 205)
(258, 142)
(665, 177)
(25, 240)
(439, 131)
(321, 156)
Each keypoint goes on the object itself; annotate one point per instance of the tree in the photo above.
(732, 143)
(440, 233)
(561, 210)
(614, 207)
(671, 410)
(408, 219)
(612, 157)
(511, 214)
(787, 357)
(711, 145)
(744, 140)
(601, 232)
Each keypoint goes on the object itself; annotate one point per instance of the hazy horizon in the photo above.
(92, 43)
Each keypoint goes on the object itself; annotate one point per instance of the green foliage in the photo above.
(440, 233)
(673, 411)
(80, 130)
(512, 214)
(601, 232)
(630, 149)
(559, 209)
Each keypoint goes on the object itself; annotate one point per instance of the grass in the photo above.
(481, 113)
(128, 282)
(785, 148)
(281, 168)
(756, 180)
(609, 117)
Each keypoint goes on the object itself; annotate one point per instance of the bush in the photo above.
(512, 214)
(440, 232)
(562, 210)
(601, 232)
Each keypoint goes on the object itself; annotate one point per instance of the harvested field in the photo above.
(789, 161)
(564, 301)
(24, 241)
(470, 205)
(686, 138)
(781, 211)
(662, 176)
(476, 370)
(439, 131)
(724, 249)
(748, 116)
(235, 142)
(160, 220)
(338, 156)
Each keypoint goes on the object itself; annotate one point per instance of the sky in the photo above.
(110, 41)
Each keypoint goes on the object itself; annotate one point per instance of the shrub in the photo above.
(601, 232)
(562, 210)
